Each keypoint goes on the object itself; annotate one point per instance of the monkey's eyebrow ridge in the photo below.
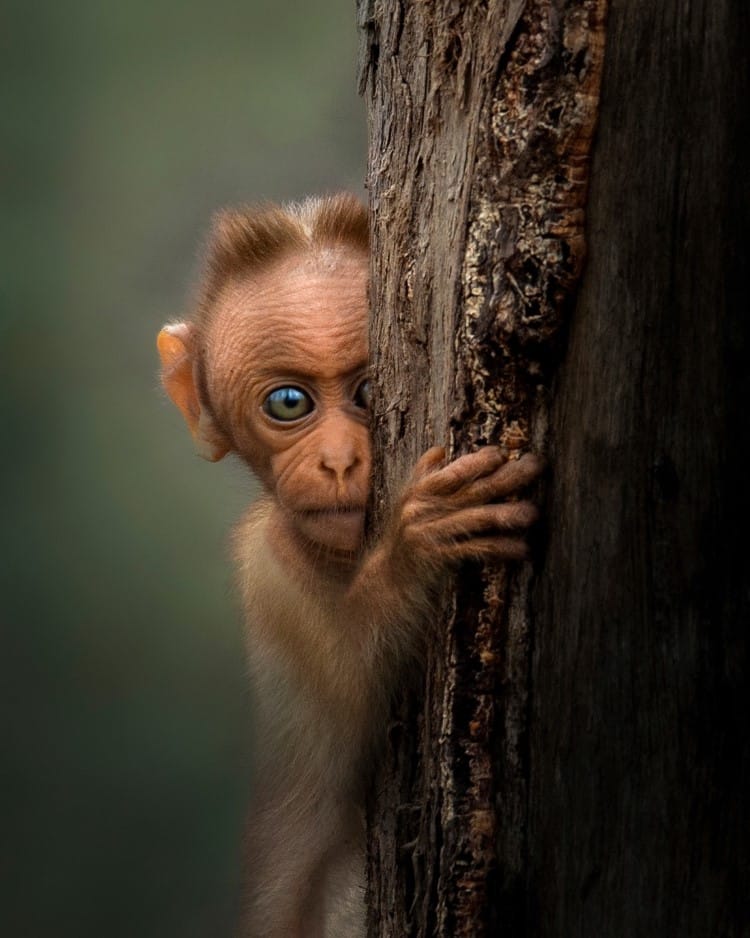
(285, 372)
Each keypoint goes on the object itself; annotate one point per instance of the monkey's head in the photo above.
(273, 366)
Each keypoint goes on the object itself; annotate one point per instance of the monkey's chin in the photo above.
(340, 530)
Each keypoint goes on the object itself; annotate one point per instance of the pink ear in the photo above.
(173, 343)
(177, 375)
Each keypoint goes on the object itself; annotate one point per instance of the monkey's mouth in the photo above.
(338, 527)
(333, 512)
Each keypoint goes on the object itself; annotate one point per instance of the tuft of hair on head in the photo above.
(248, 238)
(333, 221)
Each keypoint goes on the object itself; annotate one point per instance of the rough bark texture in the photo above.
(482, 118)
(572, 762)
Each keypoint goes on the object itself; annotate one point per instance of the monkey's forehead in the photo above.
(317, 335)
(295, 299)
(293, 322)
(293, 282)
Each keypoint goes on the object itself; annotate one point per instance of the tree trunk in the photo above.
(575, 759)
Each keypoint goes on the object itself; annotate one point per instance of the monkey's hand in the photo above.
(467, 509)
(460, 511)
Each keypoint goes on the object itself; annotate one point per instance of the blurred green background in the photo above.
(125, 747)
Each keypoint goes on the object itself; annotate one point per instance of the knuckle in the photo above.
(409, 513)
(526, 513)
(532, 464)
(415, 508)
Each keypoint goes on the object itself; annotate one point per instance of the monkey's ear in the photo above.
(173, 343)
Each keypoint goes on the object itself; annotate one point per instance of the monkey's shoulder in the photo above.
(249, 533)
(257, 570)
(276, 599)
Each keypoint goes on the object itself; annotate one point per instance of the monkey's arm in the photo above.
(341, 645)
(326, 660)
(447, 513)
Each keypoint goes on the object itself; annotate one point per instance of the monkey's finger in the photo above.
(463, 471)
(430, 461)
(486, 548)
(508, 479)
(510, 516)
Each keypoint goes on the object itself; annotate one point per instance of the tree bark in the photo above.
(574, 759)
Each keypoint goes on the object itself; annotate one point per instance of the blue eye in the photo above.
(288, 404)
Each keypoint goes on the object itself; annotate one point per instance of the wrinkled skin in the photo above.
(330, 623)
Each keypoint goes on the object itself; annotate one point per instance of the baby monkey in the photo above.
(274, 368)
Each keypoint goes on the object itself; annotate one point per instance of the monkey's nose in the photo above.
(339, 462)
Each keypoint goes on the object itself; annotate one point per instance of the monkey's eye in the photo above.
(288, 404)
(363, 395)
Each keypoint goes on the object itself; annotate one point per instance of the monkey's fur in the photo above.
(273, 367)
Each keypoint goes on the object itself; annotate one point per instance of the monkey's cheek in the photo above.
(336, 530)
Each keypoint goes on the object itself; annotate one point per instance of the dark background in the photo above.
(125, 744)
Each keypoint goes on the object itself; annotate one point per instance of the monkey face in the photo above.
(287, 375)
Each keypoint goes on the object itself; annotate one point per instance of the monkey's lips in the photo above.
(338, 526)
